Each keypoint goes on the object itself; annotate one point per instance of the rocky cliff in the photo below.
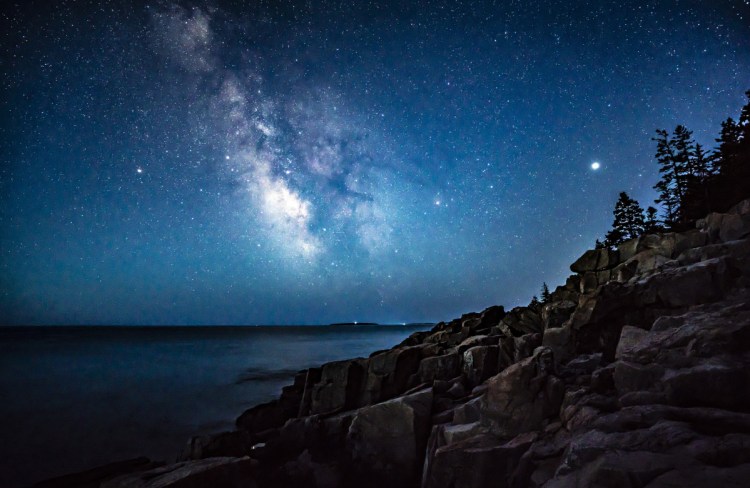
(635, 373)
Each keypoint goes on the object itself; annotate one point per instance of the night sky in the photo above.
(304, 162)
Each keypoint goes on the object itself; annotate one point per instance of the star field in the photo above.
(310, 162)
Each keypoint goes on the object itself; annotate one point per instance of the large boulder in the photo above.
(312, 377)
(560, 341)
(482, 460)
(224, 444)
(261, 417)
(726, 227)
(595, 260)
(699, 359)
(525, 345)
(386, 442)
(702, 282)
(389, 372)
(442, 367)
(339, 387)
(479, 363)
(555, 314)
(522, 397)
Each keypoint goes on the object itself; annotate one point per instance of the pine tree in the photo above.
(731, 160)
(628, 221)
(546, 295)
(674, 157)
(729, 141)
(668, 187)
(651, 223)
(696, 201)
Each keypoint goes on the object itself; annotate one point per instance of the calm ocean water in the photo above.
(74, 398)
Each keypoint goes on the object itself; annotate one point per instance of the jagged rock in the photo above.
(415, 339)
(739, 251)
(505, 352)
(469, 326)
(688, 240)
(595, 260)
(479, 363)
(312, 377)
(647, 261)
(387, 441)
(559, 340)
(388, 374)
(442, 367)
(628, 249)
(339, 387)
(522, 397)
(522, 320)
(456, 390)
(477, 340)
(323, 437)
(458, 432)
(525, 345)
(482, 460)
(468, 412)
(261, 417)
(702, 282)
(588, 282)
(629, 338)
(727, 227)
(625, 271)
(447, 337)
(556, 313)
(702, 362)
(224, 444)
(215, 472)
(492, 316)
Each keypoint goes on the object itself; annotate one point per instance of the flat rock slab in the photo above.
(214, 472)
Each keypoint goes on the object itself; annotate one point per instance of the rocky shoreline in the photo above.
(635, 373)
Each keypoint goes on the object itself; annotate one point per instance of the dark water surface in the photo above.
(76, 397)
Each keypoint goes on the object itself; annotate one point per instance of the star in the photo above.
(595, 165)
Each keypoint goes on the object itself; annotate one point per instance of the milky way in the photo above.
(298, 162)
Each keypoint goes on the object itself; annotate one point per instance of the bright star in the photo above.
(595, 165)
(139, 170)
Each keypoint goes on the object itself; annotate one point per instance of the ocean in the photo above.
(77, 397)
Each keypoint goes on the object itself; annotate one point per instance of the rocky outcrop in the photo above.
(635, 373)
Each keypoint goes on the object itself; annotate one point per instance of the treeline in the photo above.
(693, 181)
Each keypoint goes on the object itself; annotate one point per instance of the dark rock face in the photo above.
(636, 373)
(387, 441)
(475, 462)
(439, 367)
(339, 386)
(522, 397)
(261, 417)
